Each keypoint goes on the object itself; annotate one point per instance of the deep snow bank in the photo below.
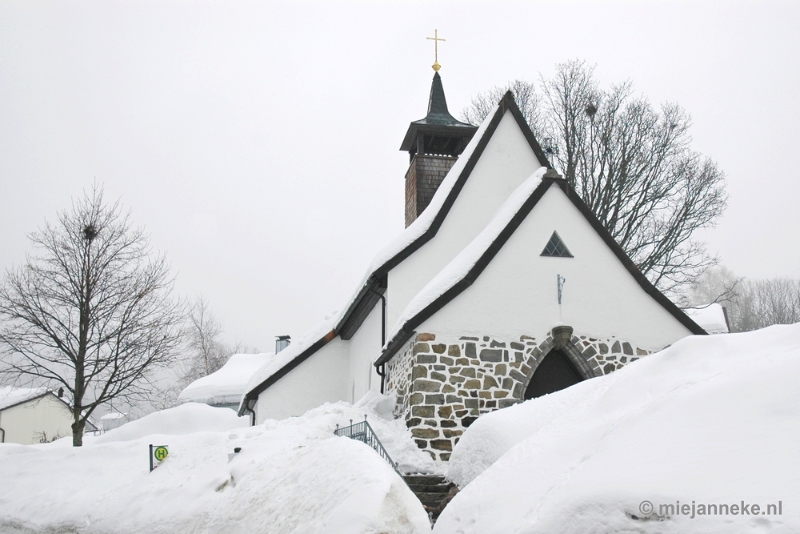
(711, 420)
(292, 476)
(185, 419)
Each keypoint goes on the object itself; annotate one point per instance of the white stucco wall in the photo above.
(25, 423)
(364, 348)
(505, 163)
(321, 378)
(516, 294)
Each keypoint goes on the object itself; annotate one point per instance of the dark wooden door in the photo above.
(555, 373)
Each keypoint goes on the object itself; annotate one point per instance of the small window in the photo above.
(556, 247)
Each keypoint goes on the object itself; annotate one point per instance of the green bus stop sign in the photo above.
(160, 453)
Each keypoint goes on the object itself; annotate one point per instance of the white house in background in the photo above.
(32, 415)
(503, 287)
(225, 387)
(712, 318)
(112, 420)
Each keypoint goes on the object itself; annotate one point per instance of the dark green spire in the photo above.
(439, 132)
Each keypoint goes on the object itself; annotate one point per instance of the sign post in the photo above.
(158, 453)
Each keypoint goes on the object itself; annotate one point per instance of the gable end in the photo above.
(407, 330)
(367, 298)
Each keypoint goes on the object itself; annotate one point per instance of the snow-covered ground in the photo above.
(291, 476)
(711, 420)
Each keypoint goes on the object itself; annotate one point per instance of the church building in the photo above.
(503, 287)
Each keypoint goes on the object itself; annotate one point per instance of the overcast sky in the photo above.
(258, 142)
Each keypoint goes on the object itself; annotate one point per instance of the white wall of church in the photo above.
(505, 163)
(516, 294)
(321, 378)
(364, 348)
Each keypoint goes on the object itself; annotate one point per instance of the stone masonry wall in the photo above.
(442, 385)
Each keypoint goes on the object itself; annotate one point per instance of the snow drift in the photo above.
(710, 420)
(291, 476)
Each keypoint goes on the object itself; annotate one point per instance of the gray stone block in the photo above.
(469, 350)
(427, 385)
(491, 355)
(434, 399)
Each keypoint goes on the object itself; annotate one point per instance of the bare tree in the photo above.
(525, 95)
(631, 164)
(717, 284)
(206, 352)
(91, 312)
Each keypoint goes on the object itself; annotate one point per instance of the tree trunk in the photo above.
(77, 432)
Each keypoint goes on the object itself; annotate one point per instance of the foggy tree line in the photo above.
(750, 303)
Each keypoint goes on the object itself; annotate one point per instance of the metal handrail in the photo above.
(363, 432)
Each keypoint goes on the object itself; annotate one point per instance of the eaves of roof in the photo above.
(33, 398)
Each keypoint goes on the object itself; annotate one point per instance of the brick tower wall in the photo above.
(423, 178)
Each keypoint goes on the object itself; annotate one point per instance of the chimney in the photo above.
(281, 342)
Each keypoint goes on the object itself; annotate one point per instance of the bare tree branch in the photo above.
(631, 164)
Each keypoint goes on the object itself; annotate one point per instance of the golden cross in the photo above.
(436, 40)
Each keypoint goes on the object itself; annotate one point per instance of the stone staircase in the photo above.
(431, 490)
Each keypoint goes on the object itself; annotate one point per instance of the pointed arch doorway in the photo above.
(554, 373)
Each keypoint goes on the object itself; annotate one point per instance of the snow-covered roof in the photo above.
(425, 227)
(113, 416)
(293, 354)
(416, 234)
(711, 318)
(423, 223)
(11, 396)
(226, 385)
(471, 261)
(459, 266)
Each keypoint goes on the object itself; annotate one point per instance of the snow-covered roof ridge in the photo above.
(389, 255)
(423, 223)
(460, 266)
(11, 396)
(425, 227)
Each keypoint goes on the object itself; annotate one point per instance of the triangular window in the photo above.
(556, 247)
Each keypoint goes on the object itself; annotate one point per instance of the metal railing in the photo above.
(363, 432)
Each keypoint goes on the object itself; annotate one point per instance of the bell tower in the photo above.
(433, 144)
